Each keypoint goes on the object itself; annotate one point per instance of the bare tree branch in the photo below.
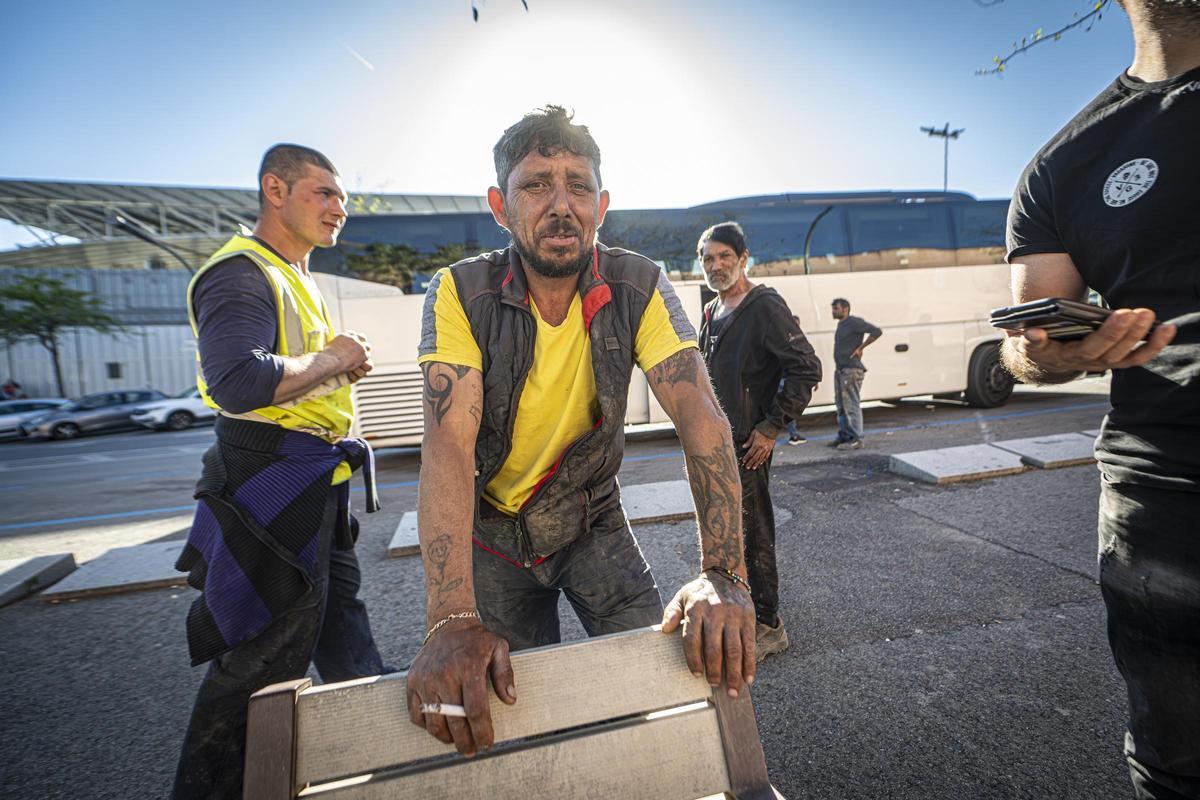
(999, 63)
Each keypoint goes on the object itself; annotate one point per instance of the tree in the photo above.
(40, 308)
(1000, 63)
(396, 264)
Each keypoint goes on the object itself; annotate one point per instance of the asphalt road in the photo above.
(947, 641)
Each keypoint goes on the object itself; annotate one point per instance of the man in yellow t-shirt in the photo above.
(527, 354)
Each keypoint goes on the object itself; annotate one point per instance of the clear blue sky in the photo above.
(690, 100)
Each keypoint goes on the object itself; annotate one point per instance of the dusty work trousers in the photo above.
(847, 388)
(758, 534)
(603, 575)
(328, 627)
(1150, 579)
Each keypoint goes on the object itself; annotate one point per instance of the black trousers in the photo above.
(758, 534)
(1150, 579)
(329, 628)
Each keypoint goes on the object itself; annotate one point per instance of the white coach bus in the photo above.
(925, 268)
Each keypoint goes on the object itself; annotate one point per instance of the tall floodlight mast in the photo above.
(946, 135)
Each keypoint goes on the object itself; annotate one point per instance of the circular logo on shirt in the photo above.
(1130, 181)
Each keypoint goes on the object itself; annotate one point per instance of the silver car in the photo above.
(14, 412)
(93, 412)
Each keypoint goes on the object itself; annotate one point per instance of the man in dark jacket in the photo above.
(750, 342)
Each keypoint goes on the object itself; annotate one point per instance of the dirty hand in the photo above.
(359, 372)
(758, 448)
(350, 349)
(1116, 344)
(718, 630)
(453, 667)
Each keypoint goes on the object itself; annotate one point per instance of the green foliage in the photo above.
(395, 264)
(40, 308)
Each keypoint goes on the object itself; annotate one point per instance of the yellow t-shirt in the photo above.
(559, 403)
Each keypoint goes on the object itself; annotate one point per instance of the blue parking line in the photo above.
(658, 457)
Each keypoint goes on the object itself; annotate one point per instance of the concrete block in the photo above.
(122, 569)
(657, 502)
(21, 577)
(951, 464)
(404, 540)
(1049, 452)
(1094, 434)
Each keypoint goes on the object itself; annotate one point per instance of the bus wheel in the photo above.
(988, 383)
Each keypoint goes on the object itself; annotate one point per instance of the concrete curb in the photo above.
(1052, 452)
(122, 569)
(21, 577)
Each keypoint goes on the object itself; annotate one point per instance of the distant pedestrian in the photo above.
(848, 371)
(764, 371)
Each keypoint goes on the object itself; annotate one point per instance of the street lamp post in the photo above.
(946, 135)
(137, 231)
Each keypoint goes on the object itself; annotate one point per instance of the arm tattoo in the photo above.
(678, 368)
(715, 484)
(439, 386)
(437, 553)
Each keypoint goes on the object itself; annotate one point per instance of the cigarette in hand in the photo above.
(445, 709)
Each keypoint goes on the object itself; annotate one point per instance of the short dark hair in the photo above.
(729, 233)
(287, 162)
(549, 131)
(840, 301)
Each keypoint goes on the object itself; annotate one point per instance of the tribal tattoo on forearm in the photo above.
(715, 484)
(439, 387)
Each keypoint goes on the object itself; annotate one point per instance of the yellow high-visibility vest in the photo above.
(304, 326)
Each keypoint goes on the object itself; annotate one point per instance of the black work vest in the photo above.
(614, 293)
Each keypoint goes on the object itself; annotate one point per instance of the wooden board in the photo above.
(677, 756)
(362, 726)
(271, 742)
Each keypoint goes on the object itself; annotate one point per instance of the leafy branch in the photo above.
(999, 63)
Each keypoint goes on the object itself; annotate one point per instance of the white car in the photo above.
(14, 412)
(174, 414)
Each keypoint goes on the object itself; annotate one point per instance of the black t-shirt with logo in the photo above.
(1118, 189)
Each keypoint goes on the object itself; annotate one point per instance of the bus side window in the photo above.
(979, 229)
(900, 236)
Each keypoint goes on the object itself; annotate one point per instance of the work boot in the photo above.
(768, 640)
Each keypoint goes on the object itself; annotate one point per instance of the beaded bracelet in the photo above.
(451, 618)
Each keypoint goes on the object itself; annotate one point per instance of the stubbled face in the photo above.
(840, 311)
(314, 208)
(723, 267)
(553, 207)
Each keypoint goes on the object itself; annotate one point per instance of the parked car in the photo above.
(94, 412)
(14, 412)
(175, 414)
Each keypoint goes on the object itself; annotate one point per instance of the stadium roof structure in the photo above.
(89, 211)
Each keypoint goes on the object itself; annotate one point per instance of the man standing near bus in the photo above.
(1110, 203)
(848, 372)
(271, 546)
(528, 353)
(764, 371)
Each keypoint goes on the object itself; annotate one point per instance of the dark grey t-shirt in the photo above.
(237, 320)
(849, 337)
(1116, 190)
